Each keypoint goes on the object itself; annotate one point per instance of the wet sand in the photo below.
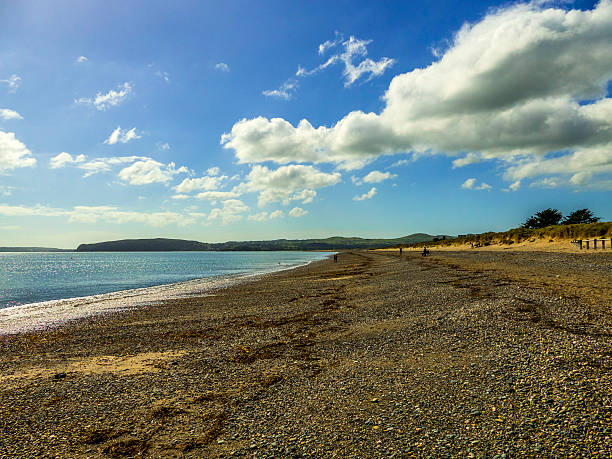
(459, 353)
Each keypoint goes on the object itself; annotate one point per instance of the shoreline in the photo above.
(44, 315)
(455, 354)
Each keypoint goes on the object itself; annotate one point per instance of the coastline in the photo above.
(375, 355)
(44, 315)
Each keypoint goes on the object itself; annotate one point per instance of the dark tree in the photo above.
(543, 218)
(580, 216)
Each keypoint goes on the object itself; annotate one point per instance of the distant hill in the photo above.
(173, 245)
(33, 249)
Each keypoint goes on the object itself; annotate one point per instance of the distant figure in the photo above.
(335, 257)
(471, 244)
(400, 251)
(425, 252)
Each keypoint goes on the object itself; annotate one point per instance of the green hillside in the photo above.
(331, 243)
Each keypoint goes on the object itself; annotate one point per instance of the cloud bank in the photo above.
(526, 86)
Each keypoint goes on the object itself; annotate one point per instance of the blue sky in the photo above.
(236, 120)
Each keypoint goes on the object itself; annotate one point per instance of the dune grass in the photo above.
(550, 233)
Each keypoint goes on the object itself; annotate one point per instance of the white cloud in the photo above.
(163, 146)
(13, 153)
(306, 196)
(150, 171)
(373, 177)
(287, 183)
(470, 184)
(222, 67)
(8, 114)
(123, 136)
(230, 213)
(297, 212)
(525, 86)
(260, 217)
(81, 60)
(207, 182)
(111, 99)
(13, 82)
(217, 195)
(99, 165)
(263, 216)
(470, 158)
(95, 214)
(286, 90)
(353, 50)
(213, 171)
(401, 162)
(323, 47)
(64, 159)
(369, 195)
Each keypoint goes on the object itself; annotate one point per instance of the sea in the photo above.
(38, 290)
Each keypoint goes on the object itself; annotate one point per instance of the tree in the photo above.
(580, 216)
(543, 218)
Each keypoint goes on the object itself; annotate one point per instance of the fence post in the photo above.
(580, 242)
(587, 244)
(603, 244)
(595, 244)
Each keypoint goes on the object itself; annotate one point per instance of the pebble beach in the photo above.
(459, 354)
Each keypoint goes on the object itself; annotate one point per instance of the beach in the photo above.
(462, 353)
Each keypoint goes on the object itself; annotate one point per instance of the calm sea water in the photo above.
(34, 277)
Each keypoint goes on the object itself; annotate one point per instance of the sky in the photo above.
(242, 120)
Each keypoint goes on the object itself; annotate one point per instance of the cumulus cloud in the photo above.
(222, 67)
(217, 195)
(8, 114)
(264, 216)
(123, 136)
(163, 146)
(287, 183)
(111, 99)
(470, 184)
(95, 214)
(285, 91)
(63, 159)
(369, 195)
(81, 60)
(373, 177)
(297, 212)
(13, 153)
(524, 85)
(213, 171)
(150, 171)
(13, 82)
(230, 212)
(98, 165)
(207, 182)
(470, 158)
